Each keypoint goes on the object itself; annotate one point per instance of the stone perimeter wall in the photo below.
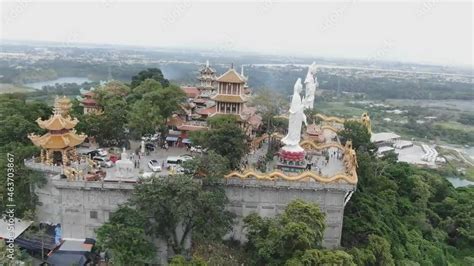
(81, 207)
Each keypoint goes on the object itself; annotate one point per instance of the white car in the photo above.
(104, 162)
(102, 152)
(198, 149)
(153, 137)
(154, 165)
(177, 160)
(185, 157)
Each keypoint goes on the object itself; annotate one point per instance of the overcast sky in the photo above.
(420, 31)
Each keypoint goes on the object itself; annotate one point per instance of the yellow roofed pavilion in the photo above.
(59, 144)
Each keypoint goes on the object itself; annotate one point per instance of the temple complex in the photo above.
(224, 95)
(58, 145)
(305, 161)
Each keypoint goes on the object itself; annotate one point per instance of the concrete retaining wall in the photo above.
(81, 207)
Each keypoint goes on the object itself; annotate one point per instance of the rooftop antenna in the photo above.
(232, 65)
(207, 63)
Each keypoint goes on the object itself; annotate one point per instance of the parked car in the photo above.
(103, 162)
(180, 169)
(102, 152)
(92, 154)
(198, 149)
(185, 157)
(177, 160)
(154, 165)
(114, 158)
(150, 146)
(97, 153)
(150, 137)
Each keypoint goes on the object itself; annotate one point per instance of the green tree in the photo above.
(290, 237)
(176, 206)
(404, 214)
(321, 257)
(358, 133)
(143, 118)
(225, 137)
(157, 101)
(125, 238)
(210, 166)
(150, 73)
(107, 128)
(269, 104)
(16, 117)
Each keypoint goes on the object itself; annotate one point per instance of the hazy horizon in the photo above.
(420, 32)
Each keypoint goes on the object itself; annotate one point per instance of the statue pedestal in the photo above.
(291, 161)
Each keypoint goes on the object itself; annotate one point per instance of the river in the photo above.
(39, 85)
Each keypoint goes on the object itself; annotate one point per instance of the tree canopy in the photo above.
(293, 238)
(401, 213)
(17, 119)
(225, 137)
(174, 207)
(150, 73)
(124, 237)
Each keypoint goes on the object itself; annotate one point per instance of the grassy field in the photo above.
(456, 165)
(12, 88)
(455, 125)
(341, 109)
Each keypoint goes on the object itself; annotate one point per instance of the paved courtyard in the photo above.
(142, 166)
(319, 164)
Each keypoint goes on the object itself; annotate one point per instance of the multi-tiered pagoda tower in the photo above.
(230, 97)
(207, 78)
(58, 146)
(88, 101)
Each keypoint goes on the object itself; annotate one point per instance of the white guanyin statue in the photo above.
(310, 85)
(295, 120)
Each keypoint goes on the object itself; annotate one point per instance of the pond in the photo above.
(40, 84)
(459, 182)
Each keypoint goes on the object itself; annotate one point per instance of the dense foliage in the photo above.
(293, 238)
(150, 73)
(402, 214)
(130, 113)
(123, 236)
(225, 137)
(17, 119)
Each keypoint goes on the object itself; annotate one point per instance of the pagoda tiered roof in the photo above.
(61, 133)
(57, 141)
(228, 98)
(57, 122)
(231, 76)
(207, 69)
